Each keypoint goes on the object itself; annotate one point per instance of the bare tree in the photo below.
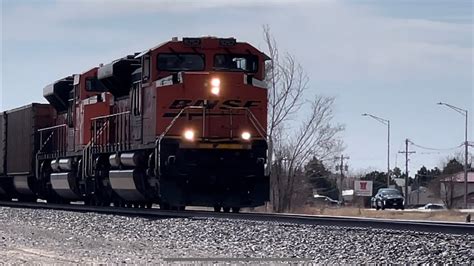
(447, 190)
(286, 82)
(290, 149)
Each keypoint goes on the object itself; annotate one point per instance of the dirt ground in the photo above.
(39, 255)
(408, 214)
(444, 215)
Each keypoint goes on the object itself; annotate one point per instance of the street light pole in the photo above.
(388, 153)
(466, 144)
(387, 123)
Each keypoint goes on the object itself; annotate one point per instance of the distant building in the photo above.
(399, 181)
(348, 195)
(423, 196)
(452, 190)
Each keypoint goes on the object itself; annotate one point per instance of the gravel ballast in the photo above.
(49, 236)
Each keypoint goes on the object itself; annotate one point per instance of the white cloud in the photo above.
(332, 40)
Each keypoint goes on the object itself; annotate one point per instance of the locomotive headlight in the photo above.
(215, 90)
(215, 86)
(246, 135)
(189, 135)
(215, 82)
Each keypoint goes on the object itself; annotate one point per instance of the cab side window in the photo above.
(236, 62)
(146, 68)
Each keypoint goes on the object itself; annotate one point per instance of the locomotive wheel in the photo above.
(217, 208)
(27, 199)
(226, 209)
(165, 206)
(55, 201)
(235, 209)
(149, 205)
(177, 208)
(94, 201)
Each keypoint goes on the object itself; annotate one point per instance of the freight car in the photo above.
(183, 123)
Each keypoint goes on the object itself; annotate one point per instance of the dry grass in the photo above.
(448, 215)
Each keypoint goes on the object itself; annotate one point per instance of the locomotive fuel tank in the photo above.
(128, 184)
(64, 185)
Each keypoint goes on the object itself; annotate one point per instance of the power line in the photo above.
(430, 153)
(435, 149)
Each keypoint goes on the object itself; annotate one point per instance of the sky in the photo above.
(392, 59)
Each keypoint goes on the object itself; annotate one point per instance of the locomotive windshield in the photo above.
(235, 62)
(180, 62)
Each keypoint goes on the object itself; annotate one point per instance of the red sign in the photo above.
(363, 188)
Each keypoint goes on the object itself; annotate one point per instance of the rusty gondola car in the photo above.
(183, 123)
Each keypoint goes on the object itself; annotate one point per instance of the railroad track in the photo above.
(343, 221)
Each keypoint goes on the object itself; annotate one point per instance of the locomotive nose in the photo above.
(218, 105)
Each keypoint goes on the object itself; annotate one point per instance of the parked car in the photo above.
(388, 198)
(433, 207)
(373, 200)
(372, 203)
(325, 201)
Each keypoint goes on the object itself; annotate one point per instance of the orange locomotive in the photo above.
(183, 123)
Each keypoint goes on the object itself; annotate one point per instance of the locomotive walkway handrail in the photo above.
(252, 118)
(87, 169)
(61, 131)
(53, 130)
(87, 151)
(111, 115)
(158, 140)
(260, 129)
(121, 133)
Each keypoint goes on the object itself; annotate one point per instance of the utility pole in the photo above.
(466, 152)
(418, 190)
(388, 154)
(407, 152)
(342, 167)
(417, 177)
(466, 144)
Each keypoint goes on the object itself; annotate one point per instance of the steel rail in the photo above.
(338, 221)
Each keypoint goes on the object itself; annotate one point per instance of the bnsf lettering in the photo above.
(211, 104)
(231, 103)
(181, 103)
(250, 104)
